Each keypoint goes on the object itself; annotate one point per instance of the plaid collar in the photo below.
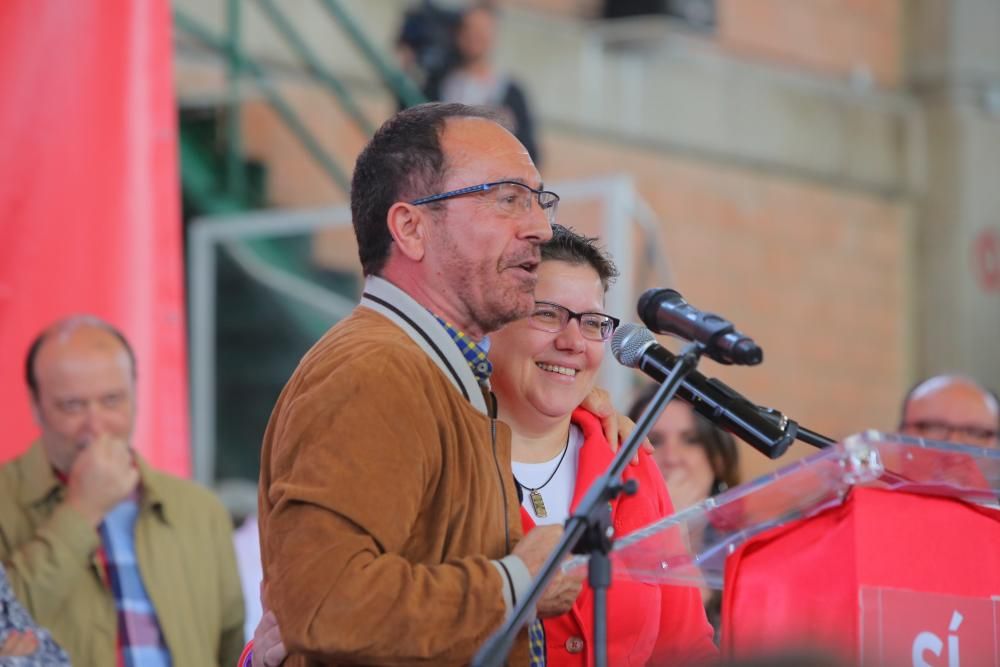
(474, 353)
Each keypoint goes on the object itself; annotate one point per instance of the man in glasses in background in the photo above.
(390, 522)
(952, 408)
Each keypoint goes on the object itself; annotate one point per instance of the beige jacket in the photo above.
(183, 541)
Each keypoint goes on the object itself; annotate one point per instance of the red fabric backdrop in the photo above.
(89, 204)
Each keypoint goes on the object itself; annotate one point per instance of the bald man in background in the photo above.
(953, 408)
(123, 564)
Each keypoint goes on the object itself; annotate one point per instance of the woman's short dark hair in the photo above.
(567, 245)
(719, 446)
(402, 161)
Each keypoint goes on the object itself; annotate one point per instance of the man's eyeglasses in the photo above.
(554, 318)
(937, 430)
(511, 197)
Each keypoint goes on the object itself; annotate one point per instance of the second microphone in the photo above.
(766, 430)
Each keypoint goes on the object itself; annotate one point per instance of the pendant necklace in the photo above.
(537, 503)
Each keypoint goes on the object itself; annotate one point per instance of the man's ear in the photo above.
(408, 226)
(36, 410)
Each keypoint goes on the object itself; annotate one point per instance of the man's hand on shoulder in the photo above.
(617, 427)
(102, 476)
(268, 649)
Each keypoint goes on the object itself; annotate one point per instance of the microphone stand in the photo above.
(813, 438)
(589, 529)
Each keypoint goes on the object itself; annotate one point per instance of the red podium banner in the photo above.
(886, 578)
(881, 549)
(926, 629)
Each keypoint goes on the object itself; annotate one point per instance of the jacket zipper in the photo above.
(496, 463)
(503, 487)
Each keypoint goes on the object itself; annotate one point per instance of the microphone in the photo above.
(666, 312)
(766, 430)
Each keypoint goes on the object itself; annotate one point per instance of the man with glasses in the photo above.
(952, 408)
(389, 518)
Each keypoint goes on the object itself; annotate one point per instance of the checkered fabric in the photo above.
(536, 640)
(474, 353)
(140, 641)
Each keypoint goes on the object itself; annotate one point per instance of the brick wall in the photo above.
(815, 275)
(836, 37)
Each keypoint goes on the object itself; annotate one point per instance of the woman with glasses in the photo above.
(543, 367)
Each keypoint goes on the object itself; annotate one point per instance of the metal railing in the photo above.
(240, 64)
(291, 118)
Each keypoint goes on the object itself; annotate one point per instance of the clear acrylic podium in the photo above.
(865, 549)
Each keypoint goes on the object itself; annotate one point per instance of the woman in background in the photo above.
(696, 459)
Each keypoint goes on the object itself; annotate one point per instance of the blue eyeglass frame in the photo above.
(483, 187)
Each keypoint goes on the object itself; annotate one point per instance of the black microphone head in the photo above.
(629, 343)
(649, 303)
(645, 299)
(748, 353)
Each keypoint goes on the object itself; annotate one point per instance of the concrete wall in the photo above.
(954, 73)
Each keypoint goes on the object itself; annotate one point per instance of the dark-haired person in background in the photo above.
(477, 80)
(696, 459)
(123, 564)
(449, 54)
(425, 45)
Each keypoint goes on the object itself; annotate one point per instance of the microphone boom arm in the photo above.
(768, 431)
